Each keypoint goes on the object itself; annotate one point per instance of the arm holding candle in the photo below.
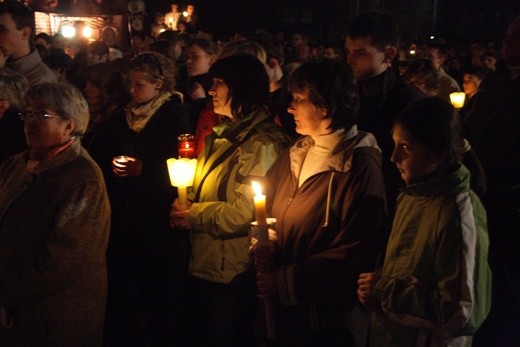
(263, 256)
(317, 262)
(265, 249)
(224, 218)
(182, 173)
(179, 216)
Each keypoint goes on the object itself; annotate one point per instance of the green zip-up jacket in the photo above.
(222, 215)
(435, 286)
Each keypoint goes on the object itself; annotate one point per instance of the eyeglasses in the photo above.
(38, 115)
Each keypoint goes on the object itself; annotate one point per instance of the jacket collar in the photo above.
(340, 159)
(66, 156)
(456, 181)
(29, 61)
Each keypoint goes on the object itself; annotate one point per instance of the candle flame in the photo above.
(457, 99)
(181, 171)
(257, 188)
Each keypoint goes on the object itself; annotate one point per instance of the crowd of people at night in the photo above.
(393, 212)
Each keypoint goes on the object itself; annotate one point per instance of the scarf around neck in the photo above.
(137, 116)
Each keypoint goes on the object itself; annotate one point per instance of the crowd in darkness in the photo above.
(396, 211)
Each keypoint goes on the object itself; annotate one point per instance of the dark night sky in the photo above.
(456, 20)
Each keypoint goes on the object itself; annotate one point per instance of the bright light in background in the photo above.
(68, 31)
(432, 37)
(185, 13)
(87, 32)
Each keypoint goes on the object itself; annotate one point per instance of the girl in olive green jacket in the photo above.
(435, 285)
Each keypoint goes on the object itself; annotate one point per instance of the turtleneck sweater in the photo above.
(321, 148)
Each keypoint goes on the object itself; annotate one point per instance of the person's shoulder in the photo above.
(39, 72)
(496, 79)
(366, 157)
(172, 109)
(172, 114)
(84, 172)
(173, 104)
(85, 167)
(405, 92)
(269, 130)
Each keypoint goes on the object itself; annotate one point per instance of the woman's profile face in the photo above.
(412, 159)
(44, 128)
(198, 61)
(141, 89)
(221, 98)
(309, 118)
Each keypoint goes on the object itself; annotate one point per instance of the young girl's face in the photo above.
(141, 89)
(413, 160)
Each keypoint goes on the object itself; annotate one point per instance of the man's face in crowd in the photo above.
(365, 59)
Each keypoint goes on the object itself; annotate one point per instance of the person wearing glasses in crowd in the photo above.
(145, 257)
(54, 229)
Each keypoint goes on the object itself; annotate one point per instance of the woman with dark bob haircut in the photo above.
(435, 284)
(243, 146)
(328, 197)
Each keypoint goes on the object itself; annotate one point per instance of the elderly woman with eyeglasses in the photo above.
(145, 258)
(54, 227)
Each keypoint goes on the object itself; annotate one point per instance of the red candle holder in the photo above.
(186, 146)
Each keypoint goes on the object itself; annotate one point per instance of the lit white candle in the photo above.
(457, 99)
(182, 173)
(259, 200)
(261, 232)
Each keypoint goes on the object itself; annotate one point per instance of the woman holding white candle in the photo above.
(241, 147)
(328, 196)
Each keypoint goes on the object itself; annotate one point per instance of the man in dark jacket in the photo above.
(371, 44)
